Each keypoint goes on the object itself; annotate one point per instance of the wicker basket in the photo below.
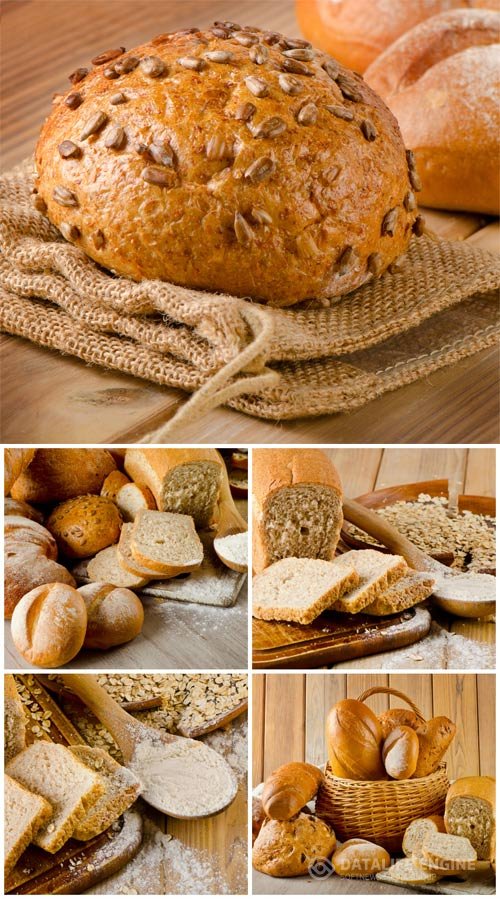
(380, 810)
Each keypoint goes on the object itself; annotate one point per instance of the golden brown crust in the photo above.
(288, 789)
(49, 624)
(15, 462)
(84, 525)
(58, 474)
(291, 199)
(290, 848)
(115, 615)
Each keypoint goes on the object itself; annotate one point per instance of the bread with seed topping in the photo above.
(269, 169)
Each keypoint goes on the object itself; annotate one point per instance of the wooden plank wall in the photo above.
(289, 713)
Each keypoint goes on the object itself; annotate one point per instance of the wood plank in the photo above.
(487, 238)
(455, 696)
(417, 687)
(486, 708)
(284, 738)
(481, 472)
(479, 631)
(322, 692)
(407, 465)
(357, 468)
(358, 683)
(258, 727)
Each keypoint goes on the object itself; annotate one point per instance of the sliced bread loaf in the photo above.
(296, 507)
(121, 787)
(66, 783)
(132, 499)
(300, 589)
(470, 812)
(408, 871)
(376, 572)
(445, 852)
(24, 814)
(106, 567)
(129, 563)
(403, 594)
(166, 542)
(417, 831)
(14, 732)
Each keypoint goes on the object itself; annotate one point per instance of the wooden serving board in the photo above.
(477, 883)
(77, 866)
(334, 638)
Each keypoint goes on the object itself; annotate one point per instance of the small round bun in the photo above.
(360, 858)
(290, 848)
(233, 160)
(85, 525)
(115, 615)
(49, 624)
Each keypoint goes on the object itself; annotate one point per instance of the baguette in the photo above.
(288, 789)
(296, 506)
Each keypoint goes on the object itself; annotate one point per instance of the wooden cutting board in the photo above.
(477, 883)
(334, 638)
(77, 866)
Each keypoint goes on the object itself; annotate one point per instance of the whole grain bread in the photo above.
(403, 594)
(14, 731)
(376, 573)
(417, 831)
(166, 542)
(70, 787)
(407, 871)
(471, 812)
(446, 852)
(300, 589)
(121, 789)
(24, 814)
(127, 561)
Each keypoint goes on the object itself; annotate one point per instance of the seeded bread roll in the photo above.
(85, 525)
(290, 848)
(230, 159)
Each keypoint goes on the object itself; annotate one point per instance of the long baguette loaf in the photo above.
(288, 789)
(297, 505)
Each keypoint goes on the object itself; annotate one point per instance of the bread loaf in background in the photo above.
(49, 625)
(360, 858)
(354, 741)
(356, 32)
(269, 170)
(288, 789)
(18, 507)
(14, 731)
(58, 474)
(470, 812)
(400, 752)
(296, 505)
(395, 717)
(15, 462)
(442, 82)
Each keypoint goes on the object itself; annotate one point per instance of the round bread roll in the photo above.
(112, 484)
(57, 473)
(360, 858)
(85, 525)
(232, 160)
(49, 624)
(290, 848)
(400, 752)
(115, 615)
(442, 82)
(357, 31)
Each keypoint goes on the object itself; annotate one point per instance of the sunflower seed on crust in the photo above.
(78, 75)
(107, 56)
(192, 62)
(162, 154)
(115, 138)
(257, 86)
(348, 89)
(302, 53)
(344, 260)
(375, 264)
(111, 73)
(260, 169)
(389, 223)
(99, 240)
(40, 204)
(126, 65)
(152, 66)
(261, 216)
(340, 112)
(74, 100)
(243, 231)
(259, 54)
(218, 148)
(289, 84)
(293, 43)
(219, 56)
(410, 201)
(245, 112)
(64, 197)
(69, 150)
(295, 67)
(156, 175)
(269, 128)
(307, 114)
(331, 68)
(418, 227)
(368, 129)
(94, 125)
(246, 40)
(70, 232)
(118, 98)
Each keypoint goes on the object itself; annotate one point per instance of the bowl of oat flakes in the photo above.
(463, 538)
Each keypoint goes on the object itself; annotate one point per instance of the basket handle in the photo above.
(392, 692)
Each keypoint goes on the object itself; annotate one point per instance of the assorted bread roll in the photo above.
(360, 858)
(289, 789)
(115, 615)
(290, 848)
(49, 625)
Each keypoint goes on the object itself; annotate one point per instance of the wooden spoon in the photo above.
(168, 783)
(138, 705)
(230, 522)
(479, 590)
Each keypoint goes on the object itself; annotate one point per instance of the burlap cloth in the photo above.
(441, 306)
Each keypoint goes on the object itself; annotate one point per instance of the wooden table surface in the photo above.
(48, 397)
(289, 713)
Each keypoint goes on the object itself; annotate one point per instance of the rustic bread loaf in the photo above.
(167, 542)
(288, 789)
(442, 82)
(296, 505)
(434, 737)
(84, 525)
(400, 752)
(354, 741)
(376, 573)
(258, 817)
(66, 783)
(470, 812)
(106, 568)
(357, 31)
(49, 625)
(121, 789)
(14, 731)
(15, 462)
(290, 848)
(24, 814)
(360, 858)
(114, 615)
(58, 474)
(17, 507)
(416, 832)
(395, 717)
(267, 168)
(19, 529)
(181, 480)
(299, 589)
(30, 552)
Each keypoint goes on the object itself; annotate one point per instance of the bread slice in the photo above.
(14, 732)
(132, 499)
(446, 852)
(122, 788)
(417, 831)
(408, 871)
(106, 568)
(300, 589)
(403, 594)
(166, 542)
(376, 572)
(68, 785)
(24, 814)
(127, 561)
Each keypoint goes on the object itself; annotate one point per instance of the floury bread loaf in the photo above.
(442, 82)
(267, 169)
(296, 507)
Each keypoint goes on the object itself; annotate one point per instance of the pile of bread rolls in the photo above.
(436, 65)
(396, 744)
(83, 499)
